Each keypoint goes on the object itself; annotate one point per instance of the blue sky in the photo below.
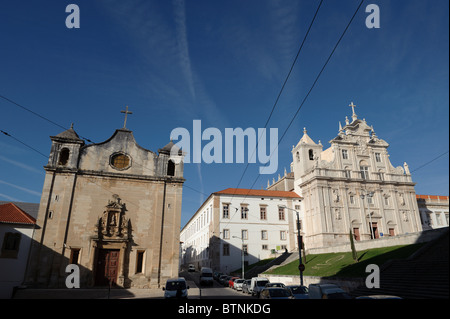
(222, 62)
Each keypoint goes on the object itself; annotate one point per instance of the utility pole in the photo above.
(301, 267)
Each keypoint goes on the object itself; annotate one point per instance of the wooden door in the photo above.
(356, 233)
(107, 267)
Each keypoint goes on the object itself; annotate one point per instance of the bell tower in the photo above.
(65, 150)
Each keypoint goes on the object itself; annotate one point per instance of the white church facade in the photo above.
(352, 185)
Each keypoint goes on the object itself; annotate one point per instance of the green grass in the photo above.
(342, 264)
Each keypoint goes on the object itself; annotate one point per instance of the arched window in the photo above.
(64, 156)
(311, 155)
(298, 156)
(171, 168)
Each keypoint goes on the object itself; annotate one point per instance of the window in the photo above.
(347, 172)
(281, 213)
(265, 247)
(120, 161)
(344, 154)
(364, 172)
(171, 168)
(244, 212)
(311, 155)
(282, 234)
(64, 156)
(74, 256)
(139, 261)
(378, 157)
(244, 234)
(226, 234)
(264, 235)
(263, 213)
(352, 199)
(226, 211)
(245, 249)
(226, 250)
(10, 247)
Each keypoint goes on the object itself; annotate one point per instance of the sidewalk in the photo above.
(100, 293)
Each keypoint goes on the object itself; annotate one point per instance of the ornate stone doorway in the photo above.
(107, 267)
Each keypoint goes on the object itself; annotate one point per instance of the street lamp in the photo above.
(301, 267)
(369, 195)
(241, 254)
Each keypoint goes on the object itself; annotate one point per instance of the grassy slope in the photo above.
(342, 265)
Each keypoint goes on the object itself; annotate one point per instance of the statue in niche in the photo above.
(113, 222)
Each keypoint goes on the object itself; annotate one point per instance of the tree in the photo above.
(352, 245)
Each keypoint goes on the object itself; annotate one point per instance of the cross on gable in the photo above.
(126, 115)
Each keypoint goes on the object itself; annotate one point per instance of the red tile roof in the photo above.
(431, 197)
(10, 213)
(258, 192)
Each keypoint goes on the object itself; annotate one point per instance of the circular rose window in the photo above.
(120, 161)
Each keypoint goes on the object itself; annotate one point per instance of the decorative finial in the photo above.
(346, 120)
(71, 126)
(304, 130)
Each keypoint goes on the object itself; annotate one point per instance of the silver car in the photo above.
(176, 288)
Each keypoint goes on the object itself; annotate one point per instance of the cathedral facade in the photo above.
(351, 185)
(113, 209)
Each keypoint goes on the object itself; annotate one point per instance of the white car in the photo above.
(238, 284)
(176, 288)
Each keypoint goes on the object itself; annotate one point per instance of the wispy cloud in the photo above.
(21, 165)
(32, 192)
(183, 46)
(13, 199)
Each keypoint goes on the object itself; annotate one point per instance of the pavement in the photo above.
(100, 293)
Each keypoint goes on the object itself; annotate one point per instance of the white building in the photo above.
(16, 231)
(236, 220)
(433, 211)
(351, 185)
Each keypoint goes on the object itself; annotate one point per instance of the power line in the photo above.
(39, 115)
(314, 84)
(282, 89)
(16, 139)
(423, 165)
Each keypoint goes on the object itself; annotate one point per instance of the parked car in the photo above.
(191, 268)
(326, 291)
(275, 285)
(257, 284)
(226, 281)
(217, 275)
(222, 279)
(206, 276)
(276, 293)
(176, 288)
(231, 281)
(299, 292)
(246, 286)
(238, 284)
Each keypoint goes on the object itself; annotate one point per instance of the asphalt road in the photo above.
(215, 291)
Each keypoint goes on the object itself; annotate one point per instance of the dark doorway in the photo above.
(374, 231)
(107, 267)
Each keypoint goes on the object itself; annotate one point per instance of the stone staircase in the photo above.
(424, 275)
(260, 269)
